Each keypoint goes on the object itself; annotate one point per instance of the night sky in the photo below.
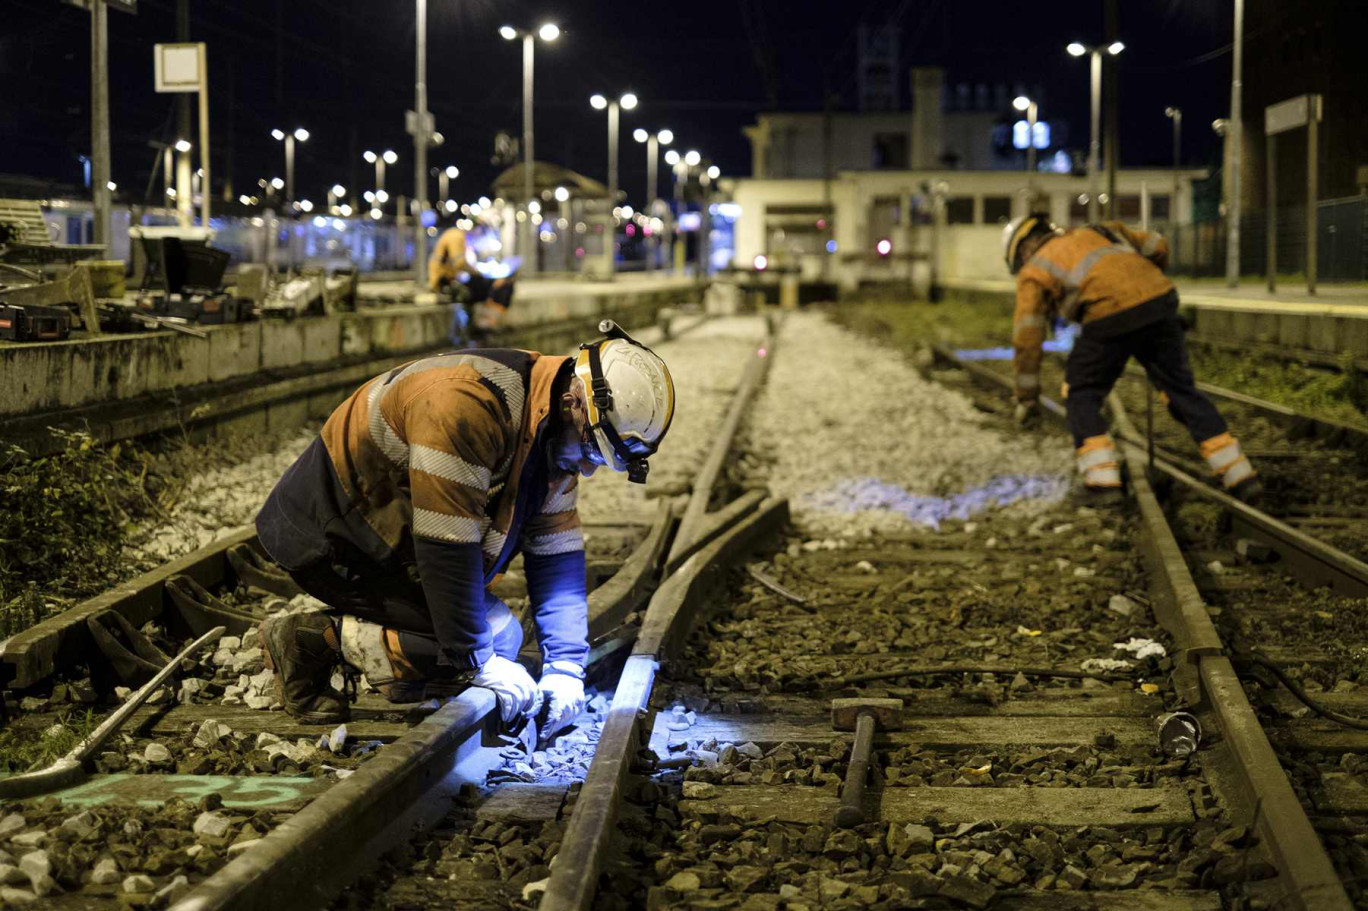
(344, 70)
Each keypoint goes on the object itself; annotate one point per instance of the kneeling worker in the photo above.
(1110, 278)
(421, 488)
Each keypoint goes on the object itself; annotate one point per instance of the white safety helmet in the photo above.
(1018, 230)
(629, 398)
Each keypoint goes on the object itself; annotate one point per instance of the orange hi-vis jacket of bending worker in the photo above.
(448, 257)
(1085, 276)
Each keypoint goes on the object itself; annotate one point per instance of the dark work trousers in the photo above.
(1096, 364)
(394, 599)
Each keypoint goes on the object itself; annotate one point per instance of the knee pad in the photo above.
(375, 652)
(505, 628)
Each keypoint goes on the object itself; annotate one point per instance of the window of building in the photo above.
(997, 210)
(890, 151)
(1128, 207)
(1159, 206)
(959, 210)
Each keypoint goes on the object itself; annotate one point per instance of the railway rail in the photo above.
(983, 658)
(257, 810)
(1283, 603)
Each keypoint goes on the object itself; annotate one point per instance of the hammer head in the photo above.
(887, 713)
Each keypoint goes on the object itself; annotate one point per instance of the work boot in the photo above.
(1090, 495)
(302, 650)
(1249, 491)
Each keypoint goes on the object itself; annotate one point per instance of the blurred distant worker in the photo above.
(421, 489)
(451, 270)
(1110, 279)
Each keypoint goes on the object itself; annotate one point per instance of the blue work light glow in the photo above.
(831, 246)
(852, 495)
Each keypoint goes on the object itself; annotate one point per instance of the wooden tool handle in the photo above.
(851, 812)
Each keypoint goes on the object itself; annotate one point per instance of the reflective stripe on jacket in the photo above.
(436, 449)
(1085, 274)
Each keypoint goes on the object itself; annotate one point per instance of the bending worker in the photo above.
(421, 488)
(1110, 278)
(449, 260)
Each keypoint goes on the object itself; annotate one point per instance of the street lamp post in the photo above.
(444, 178)
(302, 135)
(1176, 115)
(1022, 103)
(1078, 49)
(389, 156)
(653, 143)
(420, 147)
(627, 102)
(1233, 137)
(547, 32)
(335, 196)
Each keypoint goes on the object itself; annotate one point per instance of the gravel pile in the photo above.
(465, 863)
(914, 767)
(141, 856)
(706, 365)
(699, 856)
(215, 503)
(1036, 597)
(858, 440)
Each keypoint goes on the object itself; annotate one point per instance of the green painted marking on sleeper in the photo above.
(238, 791)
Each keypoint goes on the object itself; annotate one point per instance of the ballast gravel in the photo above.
(859, 441)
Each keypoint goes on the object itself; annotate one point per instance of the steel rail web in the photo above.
(670, 614)
(1303, 864)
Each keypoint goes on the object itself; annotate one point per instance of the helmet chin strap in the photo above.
(602, 397)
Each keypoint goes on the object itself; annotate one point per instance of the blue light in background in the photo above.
(831, 246)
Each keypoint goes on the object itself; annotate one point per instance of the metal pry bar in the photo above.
(70, 769)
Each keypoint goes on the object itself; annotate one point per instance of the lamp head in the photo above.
(1076, 49)
(598, 102)
(628, 101)
(549, 32)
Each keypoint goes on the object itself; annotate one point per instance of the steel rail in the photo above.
(1205, 671)
(355, 821)
(695, 512)
(1309, 559)
(574, 877)
(703, 547)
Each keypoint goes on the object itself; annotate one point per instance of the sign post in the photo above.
(1294, 113)
(184, 67)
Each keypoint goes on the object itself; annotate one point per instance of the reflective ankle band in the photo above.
(1224, 456)
(1098, 463)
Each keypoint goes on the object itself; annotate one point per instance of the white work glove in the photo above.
(518, 693)
(564, 697)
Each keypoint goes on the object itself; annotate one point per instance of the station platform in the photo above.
(150, 378)
(1322, 328)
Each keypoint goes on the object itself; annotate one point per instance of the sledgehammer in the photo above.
(861, 716)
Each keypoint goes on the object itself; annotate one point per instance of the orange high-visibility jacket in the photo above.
(448, 257)
(1086, 276)
(436, 448)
